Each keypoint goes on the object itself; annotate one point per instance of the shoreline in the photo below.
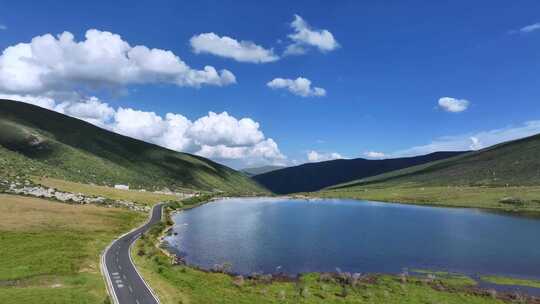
(503, 211)
(479, 285)
(508, 211)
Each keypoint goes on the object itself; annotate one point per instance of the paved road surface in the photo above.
(122, 277)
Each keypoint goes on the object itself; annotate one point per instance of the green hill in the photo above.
(316, 176)
(505, 176)
(260, 170)
(514, 163)
(38, 142)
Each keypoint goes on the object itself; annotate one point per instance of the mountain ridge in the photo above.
(316, 176)
(511, 163)
(252, 171)
(48, 143)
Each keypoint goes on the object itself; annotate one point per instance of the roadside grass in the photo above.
(180, 284)
(510, 281)
(526, 198)
(50, 251)
(147, 198)
(184, 284)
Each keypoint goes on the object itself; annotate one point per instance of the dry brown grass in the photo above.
(20, 213)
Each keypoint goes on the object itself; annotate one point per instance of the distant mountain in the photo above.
(514, 163)
(315, 176)
(36, 141)
(260, 170)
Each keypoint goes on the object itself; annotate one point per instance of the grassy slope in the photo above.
(260, 170)
(316, 176)
(50, 251)
(146, 198)
(40, 142)
(179, 284)
(477, 179)
(514, 163)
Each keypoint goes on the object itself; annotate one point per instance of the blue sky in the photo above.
(383, 74)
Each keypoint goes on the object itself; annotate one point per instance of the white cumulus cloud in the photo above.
(223, 129)
(314, 156)
(219, 136)
(40, 101)
(453, 105)
(142, 125)
(265, 151)
(103, 59)
(305, 37)
(91, 110)
(374, 154)
(3, 27)
(300, 86)
(243, 51)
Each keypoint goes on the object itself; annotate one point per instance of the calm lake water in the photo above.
(295, 236)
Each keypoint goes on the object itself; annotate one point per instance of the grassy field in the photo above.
(503, 198)
(147, 198)
(455, 279)
(511, 281)
(50, 251)
(181, 284)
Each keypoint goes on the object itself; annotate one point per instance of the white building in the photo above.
(121, 187)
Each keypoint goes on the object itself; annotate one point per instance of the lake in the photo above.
(293, 236)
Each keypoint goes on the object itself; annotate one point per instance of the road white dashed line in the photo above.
(114, 279)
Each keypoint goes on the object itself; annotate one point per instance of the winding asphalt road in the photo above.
(124, 282)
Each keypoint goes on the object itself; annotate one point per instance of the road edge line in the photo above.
(139, 274)
(103, 265)
(106, 275)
